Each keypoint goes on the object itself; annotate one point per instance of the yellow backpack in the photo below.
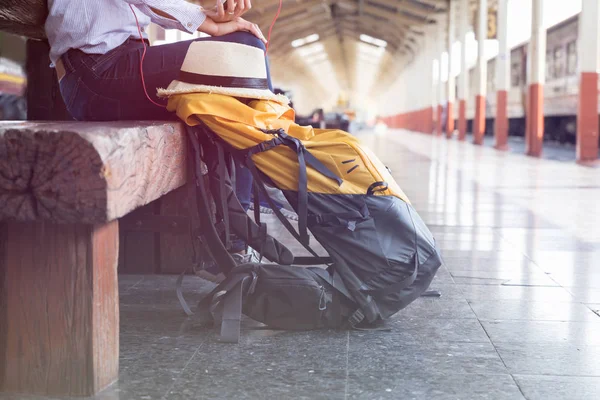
(381, 256)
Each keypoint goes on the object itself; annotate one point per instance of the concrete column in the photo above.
(451, 81)
(427, 68)
(589, 63)
(502, 78)
(536, 78)
(441, 100)
(463, 79)
(481, 73)
(431, 51)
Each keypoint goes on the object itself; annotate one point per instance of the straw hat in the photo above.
(232, 69)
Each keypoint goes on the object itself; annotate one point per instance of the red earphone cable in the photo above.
(273, 24)
(142, 60)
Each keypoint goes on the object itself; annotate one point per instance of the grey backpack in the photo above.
(381, 256)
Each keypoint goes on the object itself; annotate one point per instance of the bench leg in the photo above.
(59, 308)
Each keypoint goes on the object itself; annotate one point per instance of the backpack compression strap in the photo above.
(217, 249)
(228, 205)
(245, 156)
(224, 304)
(253, 232)
(232, 306)
(260, 185)
(358, 316)
(304, 158)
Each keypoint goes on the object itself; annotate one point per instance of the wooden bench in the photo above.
(63, 188)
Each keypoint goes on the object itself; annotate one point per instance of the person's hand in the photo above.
(230, 11)
(213, 28)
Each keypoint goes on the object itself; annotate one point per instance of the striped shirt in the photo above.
(98, 26)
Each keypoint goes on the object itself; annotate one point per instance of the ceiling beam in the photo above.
(284, 43)
(385, 29)
(269, 5)
(419, 6)
(403, 5)
(336, 53)
(395, 16)
(434, 3)
(290, 11)
(344, 56)
(351, 33)
(355, 27)
(402, 23)
(285, 34)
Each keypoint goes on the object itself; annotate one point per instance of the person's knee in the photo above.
(248, 39)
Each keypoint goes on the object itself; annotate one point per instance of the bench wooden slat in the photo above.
(63, 185)
(75, 172)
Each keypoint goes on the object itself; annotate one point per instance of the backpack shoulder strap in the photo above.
(229, 207)
(217, 248)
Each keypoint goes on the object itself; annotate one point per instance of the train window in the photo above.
(515, 74)
(549, 65)
(572, 58)
(559, 62)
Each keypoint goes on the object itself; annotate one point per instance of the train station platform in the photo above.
(553, 150)
(519, 315)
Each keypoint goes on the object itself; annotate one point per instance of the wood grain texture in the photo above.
(60, 312)
(24, 17)
(104, 307)
(80, 172)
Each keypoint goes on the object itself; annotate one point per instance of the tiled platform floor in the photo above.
(518, 317)
(552, 150)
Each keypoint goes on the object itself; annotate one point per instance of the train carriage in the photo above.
(560, 90)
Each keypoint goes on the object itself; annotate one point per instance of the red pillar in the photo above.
(587, 118)
(535, 120)
(462, 120)
(534, 136)
(501, 124)
(450, 121)
(589, 64)
(428, 120)
(502, 78)
(439, 121)
(481, 72)
(479, 121)
(463, 82)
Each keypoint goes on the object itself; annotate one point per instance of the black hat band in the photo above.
(223, 81)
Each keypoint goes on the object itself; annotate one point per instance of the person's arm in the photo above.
(172, 14)
(228, 10)
(223, 28)
(179, 14)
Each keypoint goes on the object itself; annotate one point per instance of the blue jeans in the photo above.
(108, 87)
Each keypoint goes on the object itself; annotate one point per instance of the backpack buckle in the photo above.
(356, 318)
(253, 283)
